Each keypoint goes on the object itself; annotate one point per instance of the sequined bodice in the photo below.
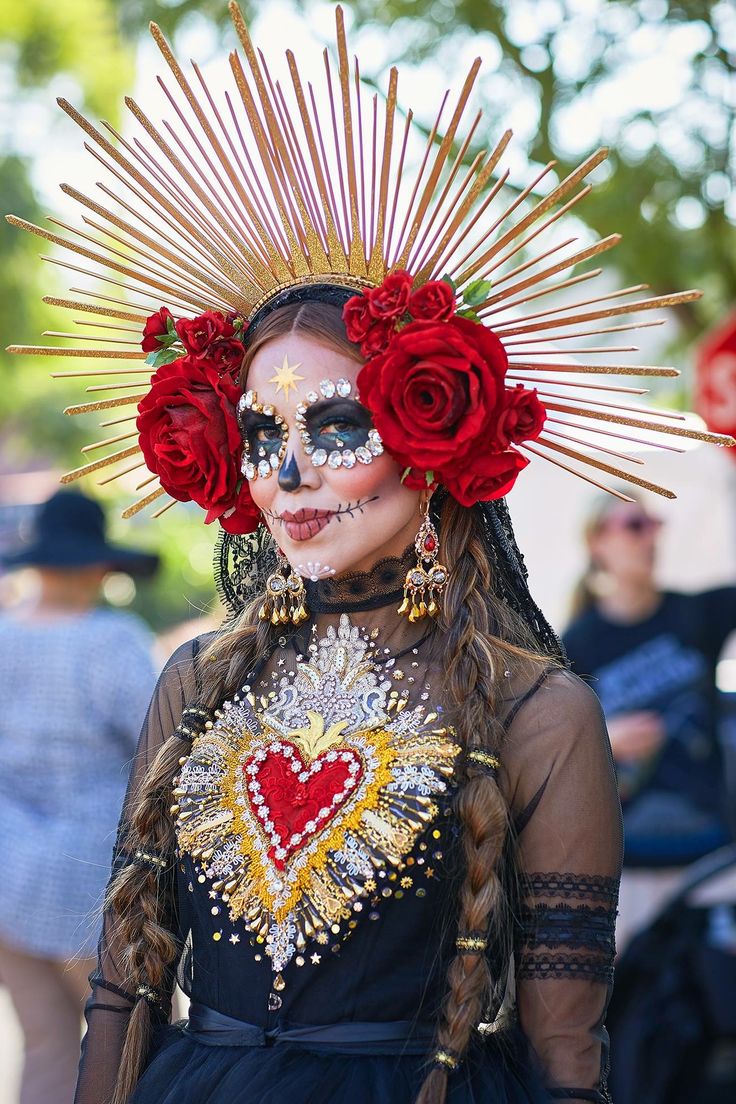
(298, 801)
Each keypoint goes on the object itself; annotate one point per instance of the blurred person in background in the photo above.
(75, 680)
(651, 656)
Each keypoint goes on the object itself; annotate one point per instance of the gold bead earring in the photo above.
(285, 597)
(426, 581)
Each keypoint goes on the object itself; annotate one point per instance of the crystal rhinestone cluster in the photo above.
(265, 465)
(339, 457)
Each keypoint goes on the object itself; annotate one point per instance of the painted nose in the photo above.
(289, 476)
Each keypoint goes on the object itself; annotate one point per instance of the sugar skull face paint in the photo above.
(344, 514)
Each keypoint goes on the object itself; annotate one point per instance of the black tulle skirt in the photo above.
(183, 1070)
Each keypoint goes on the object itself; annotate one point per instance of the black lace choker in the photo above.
(356, 591)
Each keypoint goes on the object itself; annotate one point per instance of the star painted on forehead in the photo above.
(286, 377)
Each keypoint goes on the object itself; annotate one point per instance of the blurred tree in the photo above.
(654, 80)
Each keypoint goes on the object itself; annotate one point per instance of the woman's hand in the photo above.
(636, 736)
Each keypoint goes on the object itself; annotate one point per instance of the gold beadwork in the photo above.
(483, 759)
(471, 944)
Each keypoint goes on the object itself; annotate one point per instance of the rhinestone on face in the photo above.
(343, 388)
(348, 458)
(264, 468)
(334, 460)
(375, 447)
(274, 460)
(249, 397)
(319, 457)
(312, 396)
(327, 388)
(363, 454)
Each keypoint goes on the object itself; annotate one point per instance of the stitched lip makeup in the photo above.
(305, 523)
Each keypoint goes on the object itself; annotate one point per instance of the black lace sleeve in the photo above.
(561, 784)
(111, 1001)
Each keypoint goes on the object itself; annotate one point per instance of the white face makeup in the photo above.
(327, 517)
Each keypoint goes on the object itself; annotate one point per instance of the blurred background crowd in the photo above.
(643, 592)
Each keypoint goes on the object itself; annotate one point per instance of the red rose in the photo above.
(492, 475)
(434, 392)
(156, 326)
(188, 433)
(226, 355)
(434, 302)
(357, 318)
(243, 516)
(377, 339)
(521, 417)
(390, 299)
(197, 334)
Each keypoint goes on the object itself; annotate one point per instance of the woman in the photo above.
(653, 657)
(66, 740)
(388, 962)
(374, 812)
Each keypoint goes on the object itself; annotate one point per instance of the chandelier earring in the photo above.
(426, 581)
(285, 598)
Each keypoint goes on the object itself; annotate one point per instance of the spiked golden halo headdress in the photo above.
(243, 196)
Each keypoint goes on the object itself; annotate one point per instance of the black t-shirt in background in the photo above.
(665, 664)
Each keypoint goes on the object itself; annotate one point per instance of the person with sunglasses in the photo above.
(651, 656)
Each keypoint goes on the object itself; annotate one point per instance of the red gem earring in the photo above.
(425, 582)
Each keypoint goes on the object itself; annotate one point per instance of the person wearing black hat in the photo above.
(68, 728)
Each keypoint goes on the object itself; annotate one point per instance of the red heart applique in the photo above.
(293, 801)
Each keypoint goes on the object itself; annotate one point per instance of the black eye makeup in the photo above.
(335, 429)
(265, 434)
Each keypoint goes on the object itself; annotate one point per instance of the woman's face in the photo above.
(624, 543)
(326, 519)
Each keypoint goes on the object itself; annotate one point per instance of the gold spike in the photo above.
(90, 337)
(641, 423)
(118, 421)
(551, 289)
(90, 308)
(357, 250)
(600, 369)
(674, 415)
(623, 328)
(571, 181)
(527, 447)
(123, 471)
(145, 482)
(575, 259)
(376, 262)
(110, 441)
(439, 161)
(141, 504)
(599, 432)
(521, 243)
(178, 257)
(608, 312)
(446, 243)
(619, 473)
(337, 254)
(592, 445)
(162, 510)
(95, 465)
(105, 404)
(106, 372)
(517, 377)
(57, 350)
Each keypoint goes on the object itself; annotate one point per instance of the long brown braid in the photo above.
(481, 637)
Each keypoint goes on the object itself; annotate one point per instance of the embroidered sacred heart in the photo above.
(293, 801)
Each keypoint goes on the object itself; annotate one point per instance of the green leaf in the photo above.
(163, 356)
(447, 279)
(477, 292)
(405, 474)
(429, 478)
(468, 312)
(171, 334)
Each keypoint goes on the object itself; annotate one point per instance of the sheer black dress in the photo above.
(315, 885)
